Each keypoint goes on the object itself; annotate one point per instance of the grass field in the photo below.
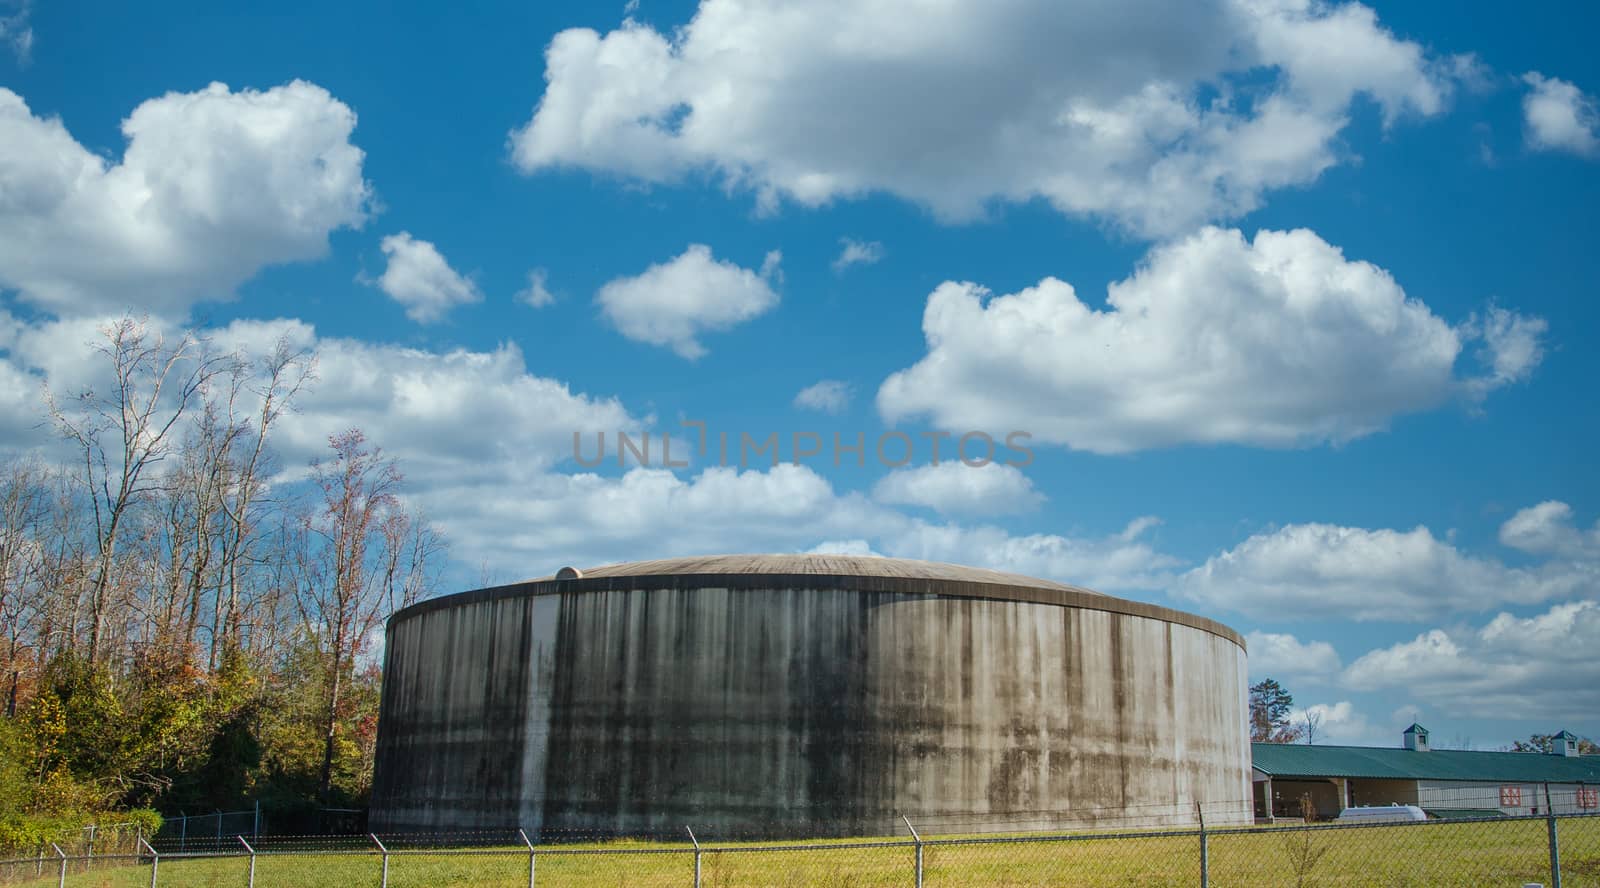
(1469, 855)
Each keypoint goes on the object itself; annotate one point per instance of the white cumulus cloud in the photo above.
(1122, 561)
(1557, 116)
(1128, 111)
(844, 547)
(535, 521)
(1339, 723)
(537, 294)
(1512, 667)
(672, 303)
(430, 408)
(1280, 655)
(1548, 529)
(827, 396)
(212, 186)
(418, 277)
(511, 501)
(1278, 341)
(426, 407)
(854, 252)
(954, 487)
(1512, 345)
(16, 32)
(1325, 571)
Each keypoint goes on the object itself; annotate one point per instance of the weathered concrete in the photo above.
(794, 702)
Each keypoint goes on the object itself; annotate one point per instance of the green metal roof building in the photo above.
(1443, 782)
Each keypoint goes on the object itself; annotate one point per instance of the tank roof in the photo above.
(853, 573)
(820, 566)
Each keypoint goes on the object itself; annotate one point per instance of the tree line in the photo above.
(186, 624)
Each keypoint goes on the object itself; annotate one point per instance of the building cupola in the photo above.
(1564, 743)
(1416, 738)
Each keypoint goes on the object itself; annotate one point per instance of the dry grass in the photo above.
(1433, 854)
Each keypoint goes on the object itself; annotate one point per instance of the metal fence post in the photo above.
(252, 882)
(531, 856)
(219, 830)
(384, 881)
(1205, 848)
(38, 867)
(918, 840)
(90, 848)
(183, 831)
(696, 856)
(155, 860)
(62, 881)
(1555, 846)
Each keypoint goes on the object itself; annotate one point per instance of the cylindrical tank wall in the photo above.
(801, 711)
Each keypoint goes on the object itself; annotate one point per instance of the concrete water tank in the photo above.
(805, 695)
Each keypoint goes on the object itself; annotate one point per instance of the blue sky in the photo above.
(1341, 400)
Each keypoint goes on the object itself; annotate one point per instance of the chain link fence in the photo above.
(216, 831)
(1473, 836)
(1559, 850)
(91, 849)
(203, 832)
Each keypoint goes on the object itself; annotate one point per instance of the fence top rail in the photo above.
(181, 821)
(1299, 827)
(225, 852)
(506, 851)
(575, 852)
(30, 861)
(501, 851)
(1063, 837)
(810, 846)
(562, 850)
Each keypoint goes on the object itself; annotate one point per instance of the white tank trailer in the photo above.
(804, 695)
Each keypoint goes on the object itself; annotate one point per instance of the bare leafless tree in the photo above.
(23, 503)
(356, 531)
(275, 383)
(123, 432)
(411, 549)
(170, 557)
(66, 563)
(1310, 725)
